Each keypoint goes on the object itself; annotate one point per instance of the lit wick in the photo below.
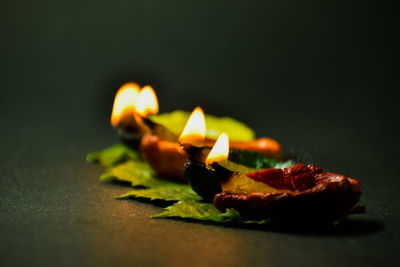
(195, 128)
(131, 106)
(124, 103)
(220, 150)
(147, 102)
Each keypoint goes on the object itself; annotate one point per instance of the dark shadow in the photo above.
(155, 202)
(347, 228)
(118, 183)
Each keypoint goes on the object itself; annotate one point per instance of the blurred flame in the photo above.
(220, 150)
(124, 102)
(147, 102)
(195, 128)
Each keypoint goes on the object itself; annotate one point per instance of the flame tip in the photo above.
(195, 128)
(220, 150)
(147, 103)
(125, 101)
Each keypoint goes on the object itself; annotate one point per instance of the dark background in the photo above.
(319, 76)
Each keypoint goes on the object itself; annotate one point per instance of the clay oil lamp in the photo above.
(300, 194)
(168, 158)
(132, 106)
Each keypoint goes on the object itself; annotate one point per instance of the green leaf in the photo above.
(124, 164)
(112, 156)
(176, 120)
(256, 161)
(170, 192)
(138, 173)
(203, 212)
(198, 211)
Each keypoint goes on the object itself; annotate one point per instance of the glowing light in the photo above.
(220, 150)
(147, 102)
(124, 102)
(195, 128)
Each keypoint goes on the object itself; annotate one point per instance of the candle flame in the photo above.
(147, 102)
(124, 102)
(220, 150)
(195, 128)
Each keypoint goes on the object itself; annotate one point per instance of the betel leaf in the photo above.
(138, 173)
(204, 212)
(198, 211)
(112, 156)
(171, 192)
(176, 120)
(124, 164)
(256, 161)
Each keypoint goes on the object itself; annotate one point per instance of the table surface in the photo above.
(318, 77)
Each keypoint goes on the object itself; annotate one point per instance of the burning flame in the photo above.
(125, 101)
(220, 150)
(195, 128)
(147, 102)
